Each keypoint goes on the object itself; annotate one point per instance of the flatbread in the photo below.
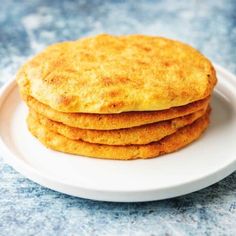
(112, 74)
(168, 144)
(138, 135)
(113, 121)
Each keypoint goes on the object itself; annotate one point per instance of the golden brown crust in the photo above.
(113, 121)
(168, 144)
(138, 135)
(113, 74)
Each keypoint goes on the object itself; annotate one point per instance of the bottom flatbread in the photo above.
(168, 144)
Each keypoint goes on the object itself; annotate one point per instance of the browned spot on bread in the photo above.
(107, 81)
(64, 100)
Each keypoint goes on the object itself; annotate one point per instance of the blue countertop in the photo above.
(26, 27)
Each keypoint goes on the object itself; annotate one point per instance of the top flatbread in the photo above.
(113, 74)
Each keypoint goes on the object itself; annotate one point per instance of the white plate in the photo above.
(199, 165)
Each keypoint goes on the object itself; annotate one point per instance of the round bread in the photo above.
(113, 121)
(168, 144)
(114, 74)
(138, 135)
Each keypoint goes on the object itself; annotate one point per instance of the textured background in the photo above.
(28, 26)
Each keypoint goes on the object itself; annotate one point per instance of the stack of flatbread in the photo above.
(117, 97)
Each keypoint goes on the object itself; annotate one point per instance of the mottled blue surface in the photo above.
(28, 26)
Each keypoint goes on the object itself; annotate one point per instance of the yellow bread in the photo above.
(138, 135)
(168, 144)
(114, 74)
(113, 121)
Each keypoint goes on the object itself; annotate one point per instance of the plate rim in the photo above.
(90, 193)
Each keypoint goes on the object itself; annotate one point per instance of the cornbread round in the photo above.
(168, 144)
(114, 74)
(139, 135)
(113, 121)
